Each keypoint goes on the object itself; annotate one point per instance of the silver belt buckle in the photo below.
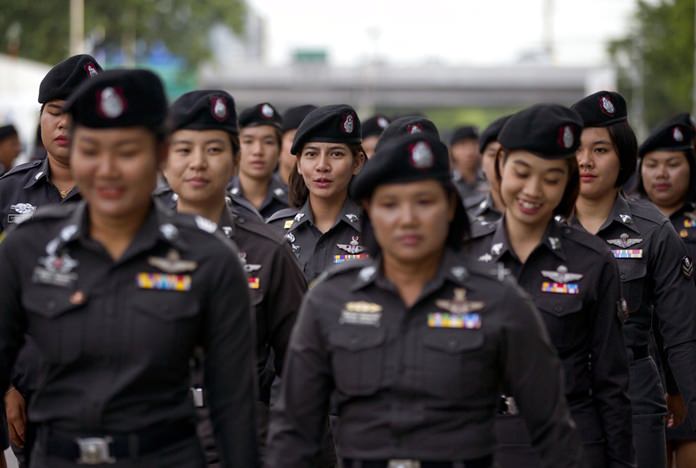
(94, 450)
(403, 464)
(197, 393)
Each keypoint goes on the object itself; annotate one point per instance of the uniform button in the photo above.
(557, 308)
(622, 276)
(452, 344)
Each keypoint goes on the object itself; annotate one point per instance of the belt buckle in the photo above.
(197, 393)
(94, 450)
(403, 464)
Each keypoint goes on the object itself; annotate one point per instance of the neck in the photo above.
(524, 238)
(669, 210)
(210, 209)
(411, 277)
(255, 190)
(592, 213)
(326, 210)
(116, 234)
(468, 176)
(60, 174)
(497, 201)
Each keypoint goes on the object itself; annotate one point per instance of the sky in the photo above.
(453, 32)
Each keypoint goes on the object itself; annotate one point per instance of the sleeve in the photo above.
(230, 364)
(543, 406)
(610, 370)
(674, 295)
(299, 417)
(288, 287)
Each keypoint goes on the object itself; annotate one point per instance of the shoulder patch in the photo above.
(22, 168)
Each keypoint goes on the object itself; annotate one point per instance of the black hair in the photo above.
(624, 139)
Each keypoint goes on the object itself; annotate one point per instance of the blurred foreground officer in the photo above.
(117, 293)
(10, 147)
(466, 163)
(407, 125)
(372, 130)
(655, 269)
(255, 189)
(415, 344)
(292, 118)
(325, 230)
(665, 178)
(572, 279)
(203, 146)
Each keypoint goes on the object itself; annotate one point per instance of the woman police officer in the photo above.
(655, 271)
(572, 279)
(117, 293)
(414, 343)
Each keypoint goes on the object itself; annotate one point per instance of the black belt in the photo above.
(94, 450)
(483, 462)
(637, 352)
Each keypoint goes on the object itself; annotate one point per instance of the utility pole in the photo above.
(77, 27)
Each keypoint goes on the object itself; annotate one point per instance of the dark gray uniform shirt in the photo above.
(116, 337)
(276, 198)
(419, 382)
(574, 282)
(656, 275)
(316, 251)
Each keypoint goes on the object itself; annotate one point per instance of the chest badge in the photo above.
(56, 270)
(562, 282)
(459, 304)
(624, 241)
(627, 253)
(361, 313)
(172, 263)
(22, 211)
(164, 282)
(353, 248)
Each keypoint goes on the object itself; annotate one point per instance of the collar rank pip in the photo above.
(361, 313)
(172, 263)
(562, 282)
(298, 217)
(624, 242)
(626, 219)
(461, 313)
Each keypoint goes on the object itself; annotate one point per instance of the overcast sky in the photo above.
(457, 32)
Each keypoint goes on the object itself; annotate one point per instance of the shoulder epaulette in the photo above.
(282, 214)
(22, 168)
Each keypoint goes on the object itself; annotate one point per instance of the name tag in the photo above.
(560, 288)
(164, 281)
(627, 253)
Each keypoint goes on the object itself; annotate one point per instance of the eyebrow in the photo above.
(55, 107)
(601, 142)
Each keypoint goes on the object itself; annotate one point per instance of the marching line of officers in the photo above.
(524, 298)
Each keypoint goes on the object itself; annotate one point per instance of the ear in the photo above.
(162, 153)
(359, 162)
(452, 207)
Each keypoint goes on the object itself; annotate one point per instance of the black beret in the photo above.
(64, 78)
(337, 123)
(601, 109)
(550, 131)
(375, 125)
(260, 114)
(409, 124)
(119, 98)
(7, 131)
(673, 135)
(405, 158)
(204, 110)
(490, 134)
(294, 116)
(467, 132)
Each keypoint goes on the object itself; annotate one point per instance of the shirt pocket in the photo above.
(452, 360)
(165, 326)
(357, 358)
(633, 276)
(56, 324)
(565, 321)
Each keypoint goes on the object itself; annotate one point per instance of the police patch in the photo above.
(218, 108)
(687, 267)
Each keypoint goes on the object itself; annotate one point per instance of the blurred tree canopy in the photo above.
(39, 30)
(656, 58)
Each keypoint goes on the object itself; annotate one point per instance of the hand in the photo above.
(676, 410)
(15, 410)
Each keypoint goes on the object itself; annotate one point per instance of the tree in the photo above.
(39, 30)
(656, 58)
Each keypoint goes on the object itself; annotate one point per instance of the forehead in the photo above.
(664, 155)
(198, 136)
(594, 134)
(533, 161)
(259, 131)
(324, 146)
(407, 189)
(113, 136)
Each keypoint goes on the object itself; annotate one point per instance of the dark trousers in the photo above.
(649, 410)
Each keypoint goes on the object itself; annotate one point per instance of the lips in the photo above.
(409, 240)
(528, 207)
(587, 177)
(62, 141)
(662, 187)
(322, 183)
(110, 193)
(197, 182)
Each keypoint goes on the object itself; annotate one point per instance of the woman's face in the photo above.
(666, 177)
(532, 187)
(55, 131)
(598, 162)
(200, 165)
(115, 169)
(488, 163)
(411, 220)
(259, 151)
(327, 168)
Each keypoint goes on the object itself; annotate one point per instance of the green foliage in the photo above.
(658, 52)
(181, 25)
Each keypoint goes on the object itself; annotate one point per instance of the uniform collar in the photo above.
(228, 220)
(350, 214)
(688, 210)
(551, 240)
(43, 173)
(276, 190)
(620, 214)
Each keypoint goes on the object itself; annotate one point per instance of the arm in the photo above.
(12, 319)
(610, 370)
(533, 373)
(674, 296)
(230, 373)
(299, 417)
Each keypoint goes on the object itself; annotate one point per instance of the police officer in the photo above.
(292, 118)
(572, 279)
(414, 342)
(655, 269)
(202, 150)
(117, 293)
(255, 190)
(34, 184)
(488, 207)
(372, 129)
(9, 147)
(466, 162)
(324, 227)
(665, 178)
